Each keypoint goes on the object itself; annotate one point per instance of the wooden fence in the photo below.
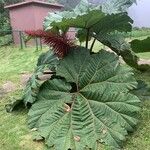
(19, 38)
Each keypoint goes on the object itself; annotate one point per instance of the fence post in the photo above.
(36, 42)
(24, 40)
(21, 42)
(40, 44)
(12, 37)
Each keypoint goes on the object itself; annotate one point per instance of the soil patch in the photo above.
(8, 87)
(24, 78)
(2, 93)
(144, 61)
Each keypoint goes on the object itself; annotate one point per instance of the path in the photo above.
(9, 86)
(144, 61)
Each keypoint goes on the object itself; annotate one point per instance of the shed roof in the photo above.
(34, 2)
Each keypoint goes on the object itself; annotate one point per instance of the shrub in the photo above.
(6, 40)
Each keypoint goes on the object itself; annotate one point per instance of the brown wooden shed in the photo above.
(29, 15)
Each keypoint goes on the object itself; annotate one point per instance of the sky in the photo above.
(140, 13)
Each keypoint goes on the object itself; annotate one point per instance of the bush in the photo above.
(6, 40)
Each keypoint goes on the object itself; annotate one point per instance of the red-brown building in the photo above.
(29, 15)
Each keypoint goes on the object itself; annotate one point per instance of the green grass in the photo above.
(14, 132)
(13, 127)
(140, 32)
(144, 55)
(14, 61)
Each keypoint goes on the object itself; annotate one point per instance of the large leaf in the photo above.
(69, 5)
(83, 20)
(107, 65)
(118, 44)
(142, 90)
(100, 22)
(58, 91)
(141, 46)
(116, 6)
(47, 60)
(95, 108)
(58, 17)
(109, 6)
(81, 35)
(120, 22)
(88, 18)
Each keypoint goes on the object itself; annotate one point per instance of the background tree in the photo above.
(4, 15)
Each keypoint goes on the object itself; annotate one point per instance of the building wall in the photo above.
(28, 17)
(21, 19)
(40, 12)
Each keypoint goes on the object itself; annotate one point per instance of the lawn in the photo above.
(14, 133)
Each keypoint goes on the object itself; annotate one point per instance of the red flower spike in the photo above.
(60, 43)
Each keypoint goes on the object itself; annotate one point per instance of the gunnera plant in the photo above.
(87, 100)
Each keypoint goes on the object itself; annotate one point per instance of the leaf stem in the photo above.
(92, 45)
(87, 38)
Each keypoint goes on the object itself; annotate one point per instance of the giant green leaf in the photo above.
(52, 20)
(90, 103)
(141, 46)
(107, 65)
(58, 91)
(90, 18)
(116, 6)
(83, 20)
(99, 21)
(47, 60)
(114, 22)
(118, 44)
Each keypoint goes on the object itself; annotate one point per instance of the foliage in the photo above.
(140, 32)
(141, 46)
(111, 5)
(88, 99)
(115, 6)
(46, 61)
(142, 90)
(96, 21)
(9, 2)
(5, 40)
(4, 16)
(15, 62)
(89, 106)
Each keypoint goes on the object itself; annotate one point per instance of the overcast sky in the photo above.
(140, 13)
